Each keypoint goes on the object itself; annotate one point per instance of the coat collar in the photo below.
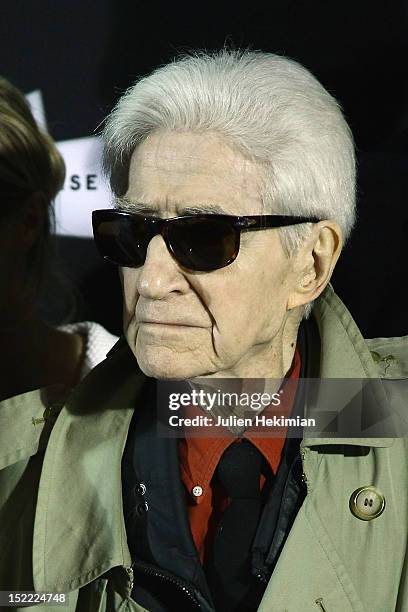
(79, 523)
(344, 354)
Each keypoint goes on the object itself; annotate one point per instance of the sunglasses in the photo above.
(198, 242)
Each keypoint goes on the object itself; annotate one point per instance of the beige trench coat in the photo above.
(61, 516)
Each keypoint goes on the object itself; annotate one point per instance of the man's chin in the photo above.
(164, 363)
(164, 374)
(166, 371)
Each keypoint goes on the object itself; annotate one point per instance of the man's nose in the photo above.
(159, 274)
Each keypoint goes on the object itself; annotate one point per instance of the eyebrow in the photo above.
(141, 207)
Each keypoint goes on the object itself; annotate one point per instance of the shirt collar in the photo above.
(199, 456)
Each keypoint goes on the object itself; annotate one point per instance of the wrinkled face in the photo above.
(224, 323)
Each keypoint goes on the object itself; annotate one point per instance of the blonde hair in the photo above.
(29, 164)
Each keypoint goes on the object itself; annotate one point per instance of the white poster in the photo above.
(85, 189)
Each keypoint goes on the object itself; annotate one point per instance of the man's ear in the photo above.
(32, 219)
(314, 263)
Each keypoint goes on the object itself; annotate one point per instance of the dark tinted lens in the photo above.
(123, 240)
(203, 244)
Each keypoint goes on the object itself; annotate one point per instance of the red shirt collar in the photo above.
(199, 456)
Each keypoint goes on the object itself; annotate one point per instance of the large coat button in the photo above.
(366, 503)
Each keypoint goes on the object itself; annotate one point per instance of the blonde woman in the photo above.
(34, 353)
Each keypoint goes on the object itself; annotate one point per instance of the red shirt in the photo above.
(199, 458)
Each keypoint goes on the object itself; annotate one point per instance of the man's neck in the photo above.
(262, 375)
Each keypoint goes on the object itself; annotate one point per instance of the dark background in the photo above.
(82, 55)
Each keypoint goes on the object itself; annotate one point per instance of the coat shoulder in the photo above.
(390, 355)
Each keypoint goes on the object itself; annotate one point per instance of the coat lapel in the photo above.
(79, 520)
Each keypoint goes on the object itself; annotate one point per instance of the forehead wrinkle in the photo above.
(155, 154)
(192, 154)
(166, 171)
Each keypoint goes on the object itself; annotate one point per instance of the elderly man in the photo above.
(233, 177)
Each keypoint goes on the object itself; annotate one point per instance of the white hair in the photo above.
(270, 108)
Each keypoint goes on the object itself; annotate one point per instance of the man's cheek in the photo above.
(129, 315)
(130, 294)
